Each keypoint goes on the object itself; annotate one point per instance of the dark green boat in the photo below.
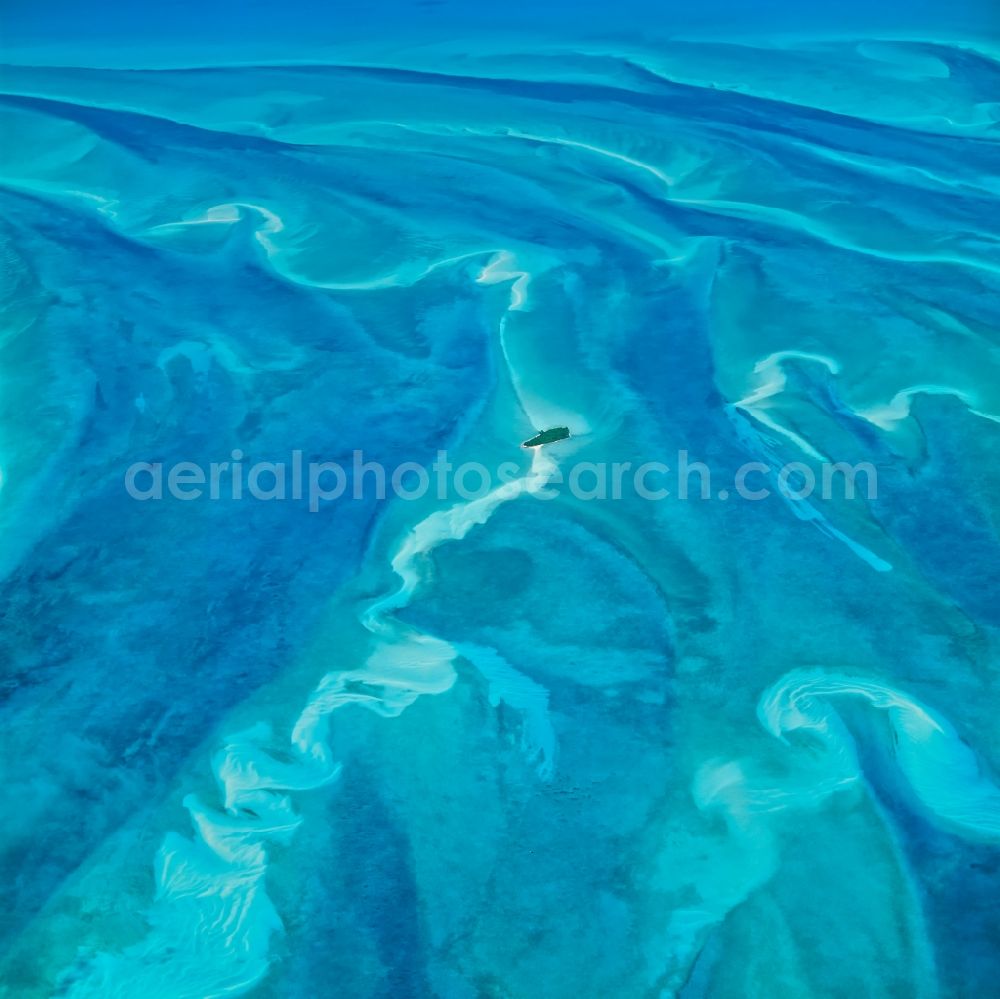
(547, 437)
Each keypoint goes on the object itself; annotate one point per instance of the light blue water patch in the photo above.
(535, 740)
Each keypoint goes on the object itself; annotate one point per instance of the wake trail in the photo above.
(211, 924)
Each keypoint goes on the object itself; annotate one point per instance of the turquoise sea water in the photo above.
(515, 744)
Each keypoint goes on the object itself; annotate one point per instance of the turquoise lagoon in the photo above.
(513, 745)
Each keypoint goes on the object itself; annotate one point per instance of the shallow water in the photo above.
(519, 744)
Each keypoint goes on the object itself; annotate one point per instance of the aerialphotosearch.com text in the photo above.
(317, 483)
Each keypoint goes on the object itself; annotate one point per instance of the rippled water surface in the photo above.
(507, 746)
